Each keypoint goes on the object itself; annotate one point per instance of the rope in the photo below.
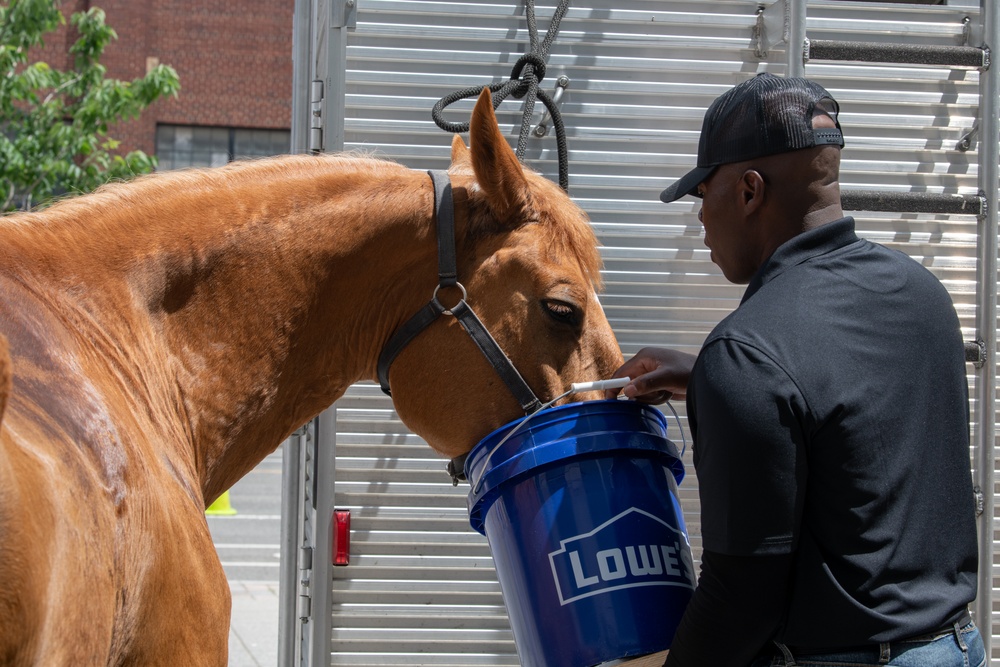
(528, 72)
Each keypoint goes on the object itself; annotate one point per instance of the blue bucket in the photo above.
(581, 513)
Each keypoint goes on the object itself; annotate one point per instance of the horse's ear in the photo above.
(460, 156)
(497, 168)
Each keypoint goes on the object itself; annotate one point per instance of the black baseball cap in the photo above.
(764, 115)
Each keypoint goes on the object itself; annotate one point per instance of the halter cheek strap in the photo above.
(444, 214)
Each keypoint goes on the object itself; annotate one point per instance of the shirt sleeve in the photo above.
(735, 611)
(747, 419)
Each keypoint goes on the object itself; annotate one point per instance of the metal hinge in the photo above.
(305, 579)
(316, 116)
(305, 607)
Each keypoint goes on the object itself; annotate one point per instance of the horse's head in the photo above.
(528, 259)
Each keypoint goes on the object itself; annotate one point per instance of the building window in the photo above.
(180, 146)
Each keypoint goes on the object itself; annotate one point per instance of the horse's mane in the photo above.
(197, 180)
(125, 207)
(116, 203)
(153, 188)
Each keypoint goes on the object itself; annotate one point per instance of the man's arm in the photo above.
(735, 611)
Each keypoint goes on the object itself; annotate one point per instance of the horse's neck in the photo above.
(267, 296)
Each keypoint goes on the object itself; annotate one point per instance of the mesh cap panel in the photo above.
(765, 115)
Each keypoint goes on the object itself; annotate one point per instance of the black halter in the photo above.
(444, 214)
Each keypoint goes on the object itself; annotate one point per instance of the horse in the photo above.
(166, 334)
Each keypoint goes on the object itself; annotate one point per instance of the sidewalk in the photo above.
(248, 546)
(253, 633)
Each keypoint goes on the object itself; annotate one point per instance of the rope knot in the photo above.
(532, 66)
(537, 67)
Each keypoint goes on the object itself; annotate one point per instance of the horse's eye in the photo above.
(560, 311)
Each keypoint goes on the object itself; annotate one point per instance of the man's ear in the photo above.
(751, 190)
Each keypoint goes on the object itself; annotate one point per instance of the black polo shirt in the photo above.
(831, 422)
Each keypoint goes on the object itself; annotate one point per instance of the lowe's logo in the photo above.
(652, 553)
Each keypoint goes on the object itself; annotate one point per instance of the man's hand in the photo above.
(658, 374)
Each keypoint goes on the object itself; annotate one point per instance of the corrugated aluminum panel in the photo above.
(420, 589)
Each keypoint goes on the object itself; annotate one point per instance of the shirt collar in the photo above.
(801, 248)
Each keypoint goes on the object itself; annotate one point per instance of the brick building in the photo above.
(234, 60)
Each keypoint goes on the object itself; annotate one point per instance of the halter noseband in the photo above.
(444, 214)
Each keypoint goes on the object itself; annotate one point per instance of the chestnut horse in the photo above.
(165, 335)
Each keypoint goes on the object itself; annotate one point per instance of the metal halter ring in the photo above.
(447, 311)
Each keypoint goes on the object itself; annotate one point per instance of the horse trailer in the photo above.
(628, 81)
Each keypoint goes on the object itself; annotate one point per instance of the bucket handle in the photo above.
(684, 444)
(616, 383)
(576, 387)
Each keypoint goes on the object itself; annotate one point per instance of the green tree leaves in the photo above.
(54, 124)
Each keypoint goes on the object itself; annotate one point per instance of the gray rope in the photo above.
(528, 72)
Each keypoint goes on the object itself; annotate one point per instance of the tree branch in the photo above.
(8, 199)
(48, 98)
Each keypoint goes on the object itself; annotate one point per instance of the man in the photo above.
(829, 413)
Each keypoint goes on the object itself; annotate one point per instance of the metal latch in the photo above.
(975, 352)
(772, 27)
(344, 14)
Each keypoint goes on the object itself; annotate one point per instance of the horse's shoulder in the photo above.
(46, 361)
(5, 379)
(31, 322)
